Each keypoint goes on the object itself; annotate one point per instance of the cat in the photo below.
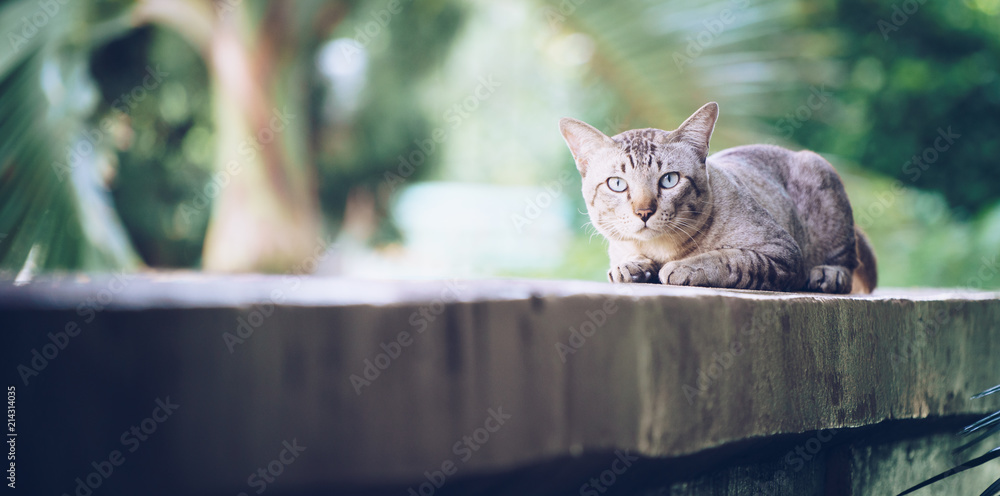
(751, 217)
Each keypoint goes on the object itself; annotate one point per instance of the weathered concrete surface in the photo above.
(888, 468)
(876, 460)
(257, 361)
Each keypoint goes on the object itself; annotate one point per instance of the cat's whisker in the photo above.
(593, 232)
(589, 227)
(675, 229)
(686, 223)
(612, 231)
(695, 212)
(690, 238)
(688, 220)
(679, 224)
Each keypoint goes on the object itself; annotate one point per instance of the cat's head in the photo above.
(645, 183)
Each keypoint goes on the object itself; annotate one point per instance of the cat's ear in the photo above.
(697, 129)
(583, 140)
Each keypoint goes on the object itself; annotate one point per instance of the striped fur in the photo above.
(751, 217)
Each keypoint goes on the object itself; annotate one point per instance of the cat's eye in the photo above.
(617, 184)
(669, 180)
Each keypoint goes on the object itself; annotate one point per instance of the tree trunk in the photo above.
(266, 215)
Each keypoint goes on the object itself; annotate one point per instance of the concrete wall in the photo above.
(498, 386)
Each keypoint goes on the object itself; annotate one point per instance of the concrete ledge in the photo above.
(257, 363)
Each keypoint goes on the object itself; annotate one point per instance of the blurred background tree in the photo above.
(921, 67)
(421, 135)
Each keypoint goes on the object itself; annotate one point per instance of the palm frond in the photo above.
(977, 440)
(975, 462)
(682, 54)
(993, 490)
(55, 210)
(989, 420)
(988, 392)
(992, 422)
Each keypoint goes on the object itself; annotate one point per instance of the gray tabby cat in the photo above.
(751, 217)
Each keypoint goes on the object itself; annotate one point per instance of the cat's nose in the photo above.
(645, 213)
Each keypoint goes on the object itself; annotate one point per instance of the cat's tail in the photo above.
(866, 274)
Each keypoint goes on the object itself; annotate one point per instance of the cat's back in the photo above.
(775, 178)
(776, 169)
(801, 191)
(758, 171)
(756, 161)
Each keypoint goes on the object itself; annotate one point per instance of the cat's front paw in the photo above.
(638, 270)
(681, 274)
(830, 279)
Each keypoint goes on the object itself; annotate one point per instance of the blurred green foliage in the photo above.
(54, 210)
(360, 149)
(168, 155)
(909, 69)
(852, 79)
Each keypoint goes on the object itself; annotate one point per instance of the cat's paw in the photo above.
(639, 270)
(829, 279)
(680, 274)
